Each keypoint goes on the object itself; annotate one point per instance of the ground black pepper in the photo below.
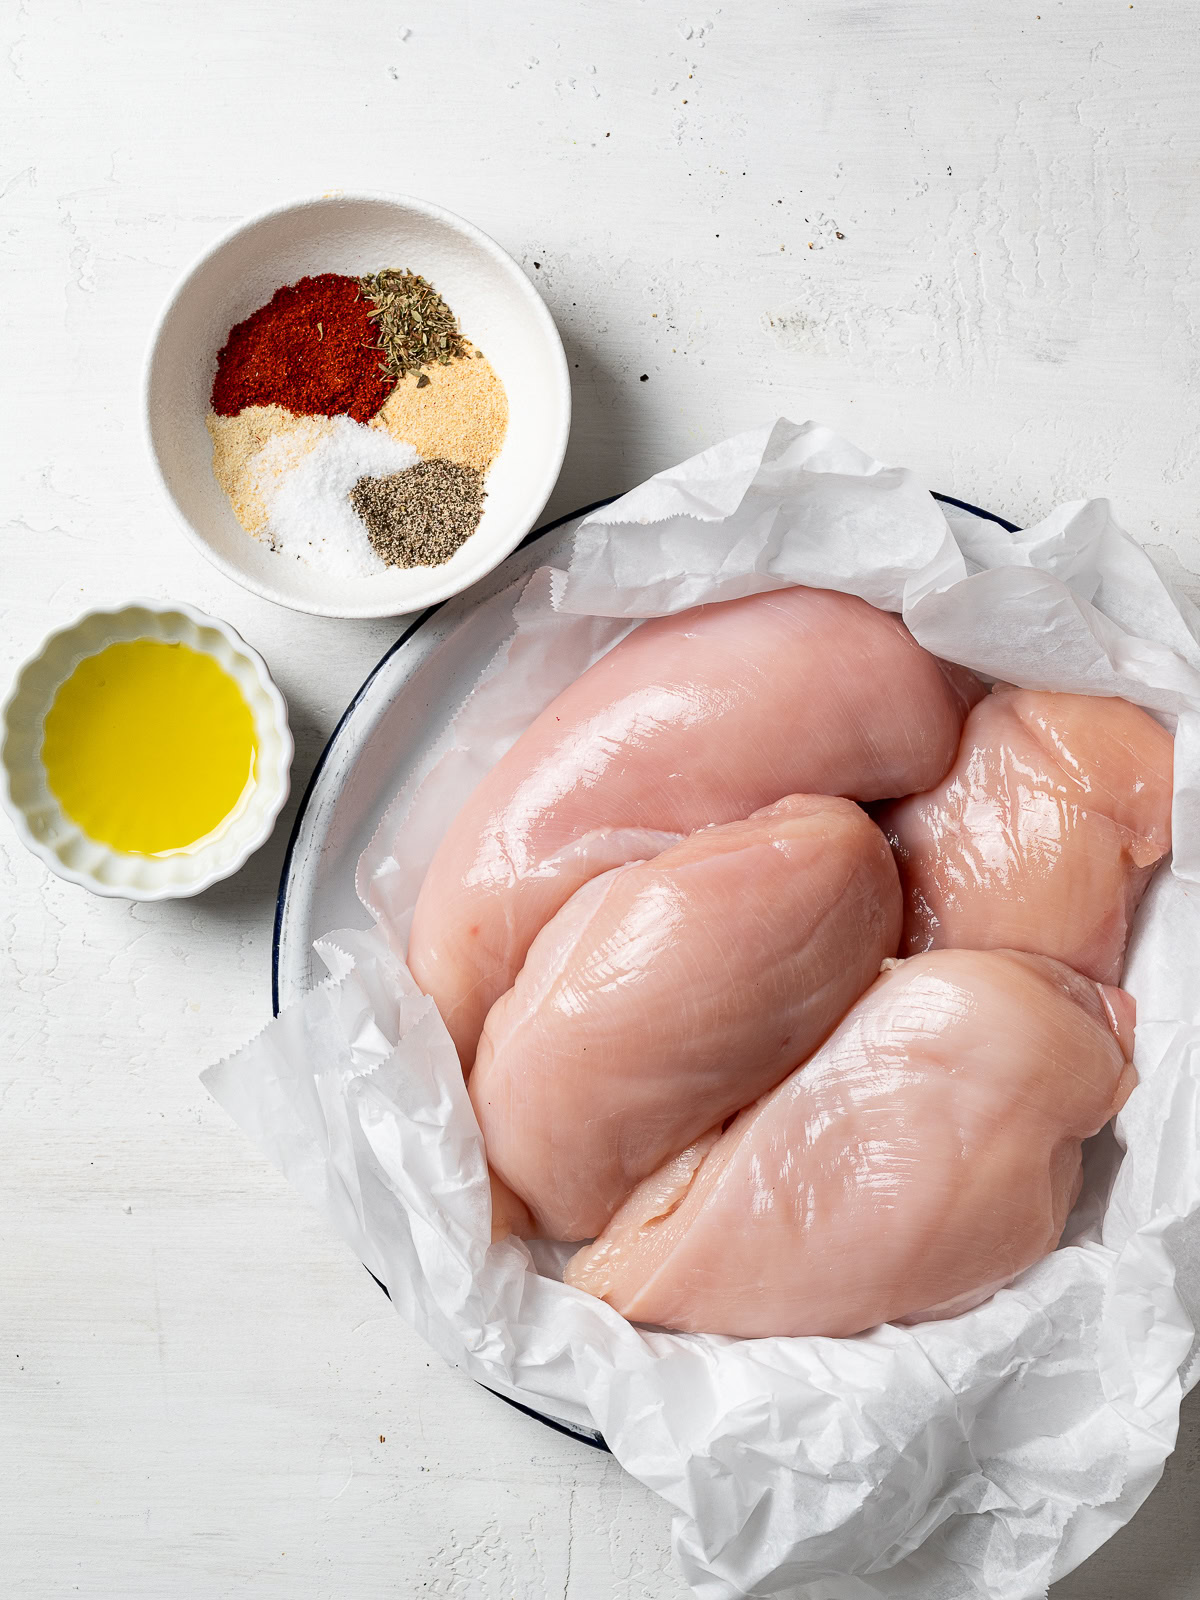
(421, 516)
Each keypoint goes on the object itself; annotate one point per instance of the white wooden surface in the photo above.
(965, 235)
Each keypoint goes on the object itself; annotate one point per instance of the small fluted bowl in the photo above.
(58, 840)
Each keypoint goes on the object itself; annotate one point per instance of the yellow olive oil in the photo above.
(149, 746)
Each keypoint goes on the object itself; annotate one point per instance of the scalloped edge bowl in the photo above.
(57, 840)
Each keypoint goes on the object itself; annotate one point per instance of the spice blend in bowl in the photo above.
(264, 491)
(315, 459)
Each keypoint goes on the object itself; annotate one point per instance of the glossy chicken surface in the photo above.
(927, 1153)
(668, 994)
(694, 719)
(1044, 833)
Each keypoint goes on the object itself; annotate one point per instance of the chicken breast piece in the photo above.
(667, 994)
(693, 719)
(927, 1153)
(1043, 835)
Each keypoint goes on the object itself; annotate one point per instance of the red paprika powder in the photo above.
(311, 348)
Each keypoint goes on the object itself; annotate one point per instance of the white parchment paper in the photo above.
(983, 1456)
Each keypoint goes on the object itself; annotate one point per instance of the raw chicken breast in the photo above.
(1044, 833)
(691, 720)
(926, 1154)
(667, 994)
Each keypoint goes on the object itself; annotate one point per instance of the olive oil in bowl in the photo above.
(150, 747)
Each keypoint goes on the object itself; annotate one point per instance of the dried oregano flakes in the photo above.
(414, 326)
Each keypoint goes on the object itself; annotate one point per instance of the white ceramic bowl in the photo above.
(52, 835)
(498, 310)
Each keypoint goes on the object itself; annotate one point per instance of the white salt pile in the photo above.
(309, 514)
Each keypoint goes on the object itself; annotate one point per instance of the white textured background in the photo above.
(966, 235)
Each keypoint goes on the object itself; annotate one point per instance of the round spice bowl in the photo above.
(58, 840)
(498, 311)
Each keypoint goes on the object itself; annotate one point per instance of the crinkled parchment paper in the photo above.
(981, 1456)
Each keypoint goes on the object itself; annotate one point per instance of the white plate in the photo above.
(385, 733)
